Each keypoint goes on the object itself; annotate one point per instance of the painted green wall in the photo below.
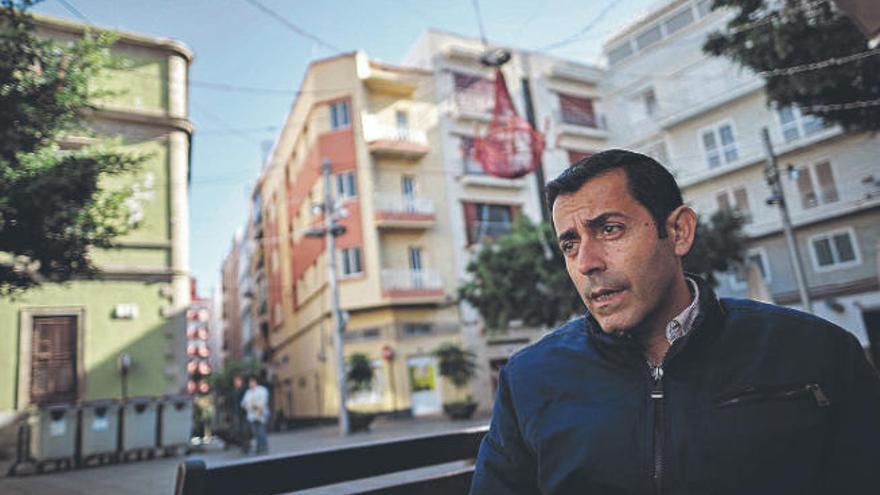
(141, 82)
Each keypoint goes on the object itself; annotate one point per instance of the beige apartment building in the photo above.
(374, 123)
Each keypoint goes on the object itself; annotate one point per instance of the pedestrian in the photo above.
(240, 426)
(662, 387)
(256, 404)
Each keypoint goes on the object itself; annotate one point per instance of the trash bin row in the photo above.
(108, 428)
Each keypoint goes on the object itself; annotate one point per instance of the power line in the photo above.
(73, 10)
(293, 27)
(574, 37)
(831, 62)
(241, 89)
(480, 22)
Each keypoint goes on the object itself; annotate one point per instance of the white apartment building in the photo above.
(702, 116)
(565, 99)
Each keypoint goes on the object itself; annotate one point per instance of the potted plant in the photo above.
(458, 366)
(359, 378)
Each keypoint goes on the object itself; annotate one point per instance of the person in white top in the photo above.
(256, 404)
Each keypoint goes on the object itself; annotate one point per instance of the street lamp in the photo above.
(330, 231)
(124, 363)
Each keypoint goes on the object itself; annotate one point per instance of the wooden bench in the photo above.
(287, 473)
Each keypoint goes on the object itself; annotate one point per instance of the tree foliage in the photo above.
(456, 364)
(718, 245)
(768, 35)
(53, 209)
(360, 372)
(511, 278)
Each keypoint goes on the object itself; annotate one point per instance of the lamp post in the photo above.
(124, 362)
(329, 232)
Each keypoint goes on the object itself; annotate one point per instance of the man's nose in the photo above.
(590, 258)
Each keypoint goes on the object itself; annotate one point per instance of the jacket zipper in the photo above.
(657, 399)
(752, 395)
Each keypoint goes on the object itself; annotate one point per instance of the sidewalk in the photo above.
(156, 477)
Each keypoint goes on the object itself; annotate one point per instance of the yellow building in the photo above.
(374, 123)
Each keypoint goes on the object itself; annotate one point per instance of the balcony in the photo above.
(579, 124)
(403, 212)
(393, 141)
(484, 230)
(415, 286)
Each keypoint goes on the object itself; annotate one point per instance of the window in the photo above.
(649, 98)
(402, 119)
(756, 257)
(474, 93)
(416, 329)
(679, 21)
(834, 250)
(619, 53)
(487, 221)
(575, 156)
(576, 110)
(818, 178)
(470, 166)
(719, 144)
(364, 334)
(649, 37)
(339, 117)
(704, 7)
(345, 185)
(794, 124)
(351, 261)
(739, 205)
(415, 259)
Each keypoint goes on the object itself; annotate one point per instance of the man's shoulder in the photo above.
(568, 335)
(746, 313)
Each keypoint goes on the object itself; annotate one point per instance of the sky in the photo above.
(235, 43)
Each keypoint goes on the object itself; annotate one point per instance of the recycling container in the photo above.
(175, 420)
(99, 428)
(53, 432)
(138, 424)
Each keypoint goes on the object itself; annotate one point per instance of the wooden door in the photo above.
(53, 360)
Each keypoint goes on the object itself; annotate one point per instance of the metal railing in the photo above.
(404, 279)
(397, 203)
(376, 130)
(287, 473)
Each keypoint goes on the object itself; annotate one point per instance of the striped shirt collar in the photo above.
(682, 324)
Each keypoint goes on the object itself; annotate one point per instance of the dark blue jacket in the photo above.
(756, 399)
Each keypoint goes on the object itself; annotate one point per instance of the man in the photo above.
(662, 387)
(256, 403)
(241, 427)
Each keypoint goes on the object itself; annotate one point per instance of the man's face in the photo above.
(237, 382)
(252, 383)
(623, 271)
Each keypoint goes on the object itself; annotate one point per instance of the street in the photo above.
(157, 476)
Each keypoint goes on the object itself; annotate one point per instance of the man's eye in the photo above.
(567, 247)
(611, 229)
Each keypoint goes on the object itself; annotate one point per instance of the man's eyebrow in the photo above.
(568, 235)
(603, 219)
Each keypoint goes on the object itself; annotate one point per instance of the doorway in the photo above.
(53, 360)
(424, 394)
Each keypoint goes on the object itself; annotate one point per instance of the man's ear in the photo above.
(681, 227)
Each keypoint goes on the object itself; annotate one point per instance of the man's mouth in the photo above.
(603, 295)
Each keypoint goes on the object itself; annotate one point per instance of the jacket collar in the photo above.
(710, 311)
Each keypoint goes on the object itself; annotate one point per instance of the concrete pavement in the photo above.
(156, 477)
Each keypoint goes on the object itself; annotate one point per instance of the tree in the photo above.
(456, 364)
(511, 278)
(53, 208)
(360, 372)
(769, 37)
(718, 244)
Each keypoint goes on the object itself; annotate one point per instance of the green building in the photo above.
(62, 342)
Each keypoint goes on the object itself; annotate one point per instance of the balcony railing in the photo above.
(375, 131)
(579, 119)
(486, 229)
(395, 279)
(397, 204)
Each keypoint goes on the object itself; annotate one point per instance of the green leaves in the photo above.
(456, 364)
(794, 33)
(521, 276)
(718, 244)
(53, 210)
(360, 372)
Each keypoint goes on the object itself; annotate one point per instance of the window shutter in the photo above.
(470, 220)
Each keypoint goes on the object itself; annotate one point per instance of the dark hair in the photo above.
(648, 182)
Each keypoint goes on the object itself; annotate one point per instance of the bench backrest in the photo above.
(286, 473)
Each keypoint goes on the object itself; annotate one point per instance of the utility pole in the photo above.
(777, 197)
(330, 231)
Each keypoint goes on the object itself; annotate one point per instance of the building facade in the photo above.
(61, 342)
(703, 117)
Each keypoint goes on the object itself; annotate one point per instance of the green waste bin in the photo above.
(175, 421)
(99, 428)
(138, 424)
(52, 433)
